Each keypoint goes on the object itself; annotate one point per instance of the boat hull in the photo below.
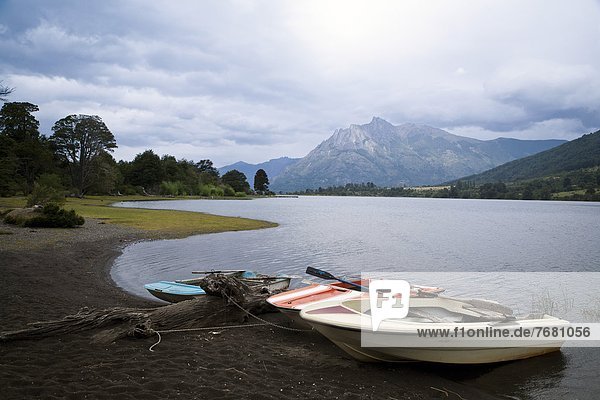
(349, 341)
(270, 285)
(294, 316)
(174, 292)
(434, 331)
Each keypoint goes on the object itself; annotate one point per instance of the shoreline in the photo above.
(44, 282)
(150, 223)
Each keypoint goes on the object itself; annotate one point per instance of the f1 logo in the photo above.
(389, 298)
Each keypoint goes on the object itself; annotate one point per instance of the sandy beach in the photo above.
(48, 274)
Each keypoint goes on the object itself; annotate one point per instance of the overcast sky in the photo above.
(254, 80)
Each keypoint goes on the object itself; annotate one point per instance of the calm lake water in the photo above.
(348, 235)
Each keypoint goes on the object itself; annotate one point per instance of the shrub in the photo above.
(217, 192)
(42, 194)
(8, 187)
(167, 188)
(18, 216)
(205, 190)
(52, 216)
(10, 219)
(228, 191)
(130, 190)
(240, 194)
(210, 190)
(170, 188)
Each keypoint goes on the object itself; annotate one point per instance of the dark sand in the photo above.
(47, 274)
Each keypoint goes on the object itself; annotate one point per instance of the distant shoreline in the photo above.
(437, 193)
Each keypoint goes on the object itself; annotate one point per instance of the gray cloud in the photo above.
(253, 80)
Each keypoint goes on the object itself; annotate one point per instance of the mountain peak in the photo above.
(376, 121)
(390, 155)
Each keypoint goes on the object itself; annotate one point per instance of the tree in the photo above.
(453, 193)
(170, 168)
(205, 166)
(208, 173)
(145, 170)
(47, 189)
(25, 153)
(17, 122)
(106, 175)
(8, 167)
(492, 190)
(5, 91)
(261, 182)
(78, 140)
(183, 173)
(237, 180)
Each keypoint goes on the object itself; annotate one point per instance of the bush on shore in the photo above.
(49, 216)
(44, 193)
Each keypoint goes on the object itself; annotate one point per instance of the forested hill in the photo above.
(576, 154)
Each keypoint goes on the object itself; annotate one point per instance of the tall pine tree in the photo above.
(261, 182)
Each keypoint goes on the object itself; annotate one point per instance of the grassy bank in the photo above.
(156, 223)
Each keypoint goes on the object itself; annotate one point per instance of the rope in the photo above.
(210, 328)
(155, 344)
(264, 322)
(198, 329)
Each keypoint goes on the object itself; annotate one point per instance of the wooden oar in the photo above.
(329, 285)
(326, 275)
(218, 271)
(228, 271)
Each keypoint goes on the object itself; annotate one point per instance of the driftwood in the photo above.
(253, 296)
(234, 306)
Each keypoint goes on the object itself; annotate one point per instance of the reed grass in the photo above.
(592, 313)
(547, 304)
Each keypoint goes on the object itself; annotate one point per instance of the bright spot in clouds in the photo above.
(254, 80)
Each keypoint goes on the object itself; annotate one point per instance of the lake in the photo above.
(349, 235)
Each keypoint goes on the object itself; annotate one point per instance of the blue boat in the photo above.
(174, 292)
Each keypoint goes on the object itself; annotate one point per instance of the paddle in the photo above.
(331, 285)
(218, 271)
(326, 275)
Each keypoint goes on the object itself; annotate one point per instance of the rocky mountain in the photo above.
(407, 154)
(272, 167)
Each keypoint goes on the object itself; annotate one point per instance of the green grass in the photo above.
(7, 203)
(156, 223)
(561, 195)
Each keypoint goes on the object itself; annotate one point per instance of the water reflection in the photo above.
(534, 378)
